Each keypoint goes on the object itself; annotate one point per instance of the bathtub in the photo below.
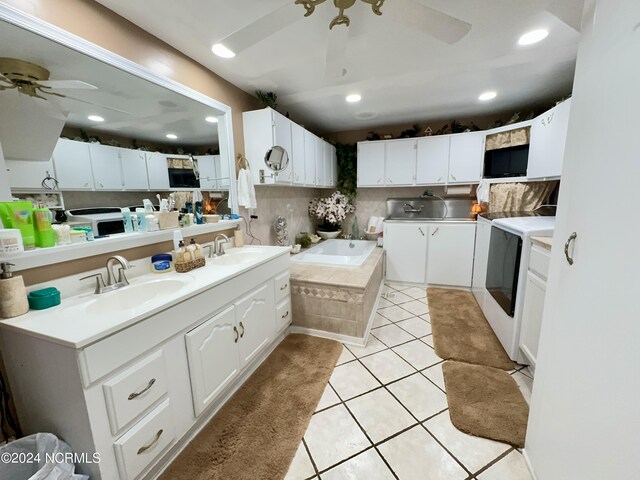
(345, 253)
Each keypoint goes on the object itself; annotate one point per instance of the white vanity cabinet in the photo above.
(405, 244)
(73, 165)
(138, 395)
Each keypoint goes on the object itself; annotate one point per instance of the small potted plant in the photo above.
(330, 211)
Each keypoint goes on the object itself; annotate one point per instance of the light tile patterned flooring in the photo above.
(384, 414)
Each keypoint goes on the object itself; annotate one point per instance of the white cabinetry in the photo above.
(298, 154)
(432, 164)
(105, 161)
(371, 157)
(73, 165)
(450, 257)
(29, 174)
(406, 251)
(255, 316)
(213, 174)
(321, 161)
(309, 158)
(134, 169)
(466, 154)
(438, 253)
(157, 171)
(400, 162)
(548, 138)
(480, 260)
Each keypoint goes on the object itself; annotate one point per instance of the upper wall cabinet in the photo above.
(400, 159)
(371, 156)
(312, 161)
(548, 135)
(73, 165)
(157, 171)
(466, 153)
(29, 174)
(134, 169)
(432, 160)
(107, 171)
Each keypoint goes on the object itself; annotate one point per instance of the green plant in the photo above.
(268, 99)
(347, 154)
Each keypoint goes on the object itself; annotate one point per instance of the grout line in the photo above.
(313, 463)
(494, 461)
(446, 449)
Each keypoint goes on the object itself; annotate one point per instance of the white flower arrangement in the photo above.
(331, 210)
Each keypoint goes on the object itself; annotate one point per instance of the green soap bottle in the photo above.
(45, 234)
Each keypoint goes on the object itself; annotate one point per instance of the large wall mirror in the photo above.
(96, 96)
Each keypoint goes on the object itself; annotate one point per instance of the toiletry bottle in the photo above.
(355, 229)
(238, 238)
(13, 294)
(179, 256)
(198, 250)
(126, 218)
(191, 250)
(142, 219)
(177, 238)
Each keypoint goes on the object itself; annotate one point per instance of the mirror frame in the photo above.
(225, 127)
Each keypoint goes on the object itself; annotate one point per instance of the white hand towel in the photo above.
(196, 196)
(482, 192)
(246, 190)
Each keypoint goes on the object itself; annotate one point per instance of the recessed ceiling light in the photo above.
(222, 51)
(532, 37)
(172, 136)
(95, 118)
(486, 96)
(353, 98)
(365, 115)
(211, 119)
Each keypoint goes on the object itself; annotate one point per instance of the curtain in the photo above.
(522, 197)
(510, 138)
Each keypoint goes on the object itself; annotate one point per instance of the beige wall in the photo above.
(99, 25)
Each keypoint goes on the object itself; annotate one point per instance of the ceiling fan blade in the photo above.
(70, 84)
(336, 59)
(569, 11)
(98, 105)
(439, 25)
(263, 27)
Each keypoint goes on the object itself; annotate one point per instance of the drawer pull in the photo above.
(286, 314)
(284, 286)
(421, 232)
(435, 231)
(242, 327)
(137, 394)
(144, 448)
(235, 329)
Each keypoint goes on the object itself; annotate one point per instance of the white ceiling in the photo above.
(132, 107)
(403, 74)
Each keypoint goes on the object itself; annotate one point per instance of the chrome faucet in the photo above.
(111, 284)
(218, 243)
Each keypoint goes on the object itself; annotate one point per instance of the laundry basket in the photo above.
(41, 456)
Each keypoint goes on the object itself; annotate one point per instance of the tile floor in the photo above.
(384, 413)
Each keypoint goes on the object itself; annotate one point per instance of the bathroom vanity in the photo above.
(134, 374)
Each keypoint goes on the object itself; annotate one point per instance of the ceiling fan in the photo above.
(33, 80)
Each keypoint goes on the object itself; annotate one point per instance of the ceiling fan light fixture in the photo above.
(95, 118)
(533, 36)
(171, 136)
(486, 96)
(222, 51)
(211, 120)
(353, 98)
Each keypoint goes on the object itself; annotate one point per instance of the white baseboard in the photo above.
(527, 460)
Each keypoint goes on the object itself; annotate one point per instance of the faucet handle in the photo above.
(122, 279)
(211, 248)
(99, 281)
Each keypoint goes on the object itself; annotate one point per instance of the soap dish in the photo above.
(45, 298)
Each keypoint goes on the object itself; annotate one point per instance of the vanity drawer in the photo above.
(145, 441)
(283, 314)
(282, 286)
(539, 261)
(134, 390)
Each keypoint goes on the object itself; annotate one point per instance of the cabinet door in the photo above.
(212, 352)
(371, 164)
(406, 252)
(548, 138)
(224, 172)
(134, 169)
(73, 165)
(29, 173)
(297, 154)
(309, 158)
(334, 166)
(255, 316)
(400, 162)
(320, 162)
(282, 137)
(328, 165)
(466, 155)
(532, 316)
(207, 166)
(105, 161)
(432, 160)
(450, 259)
(157, 171)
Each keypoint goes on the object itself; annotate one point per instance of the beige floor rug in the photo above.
(461, 332)
(257, 432)
(485, 402)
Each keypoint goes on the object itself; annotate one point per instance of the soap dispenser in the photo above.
(13, 294)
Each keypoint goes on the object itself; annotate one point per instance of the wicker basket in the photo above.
(183, 267)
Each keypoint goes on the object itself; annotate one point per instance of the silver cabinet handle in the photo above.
(144, 448)
(420, 228)
(284, 287)
(435, 231)
(389, 180)
(453, 178)
(235, 329)
(286, 314)
(439, 179)
(571, 238)
(242, 327)
(379, 180)
(137, 394)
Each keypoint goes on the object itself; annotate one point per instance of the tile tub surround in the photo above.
(336, 300)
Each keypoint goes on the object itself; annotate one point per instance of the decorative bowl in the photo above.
(328, 235)
(372, 236)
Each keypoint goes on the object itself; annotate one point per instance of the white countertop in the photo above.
(120, 241)
(70, 324)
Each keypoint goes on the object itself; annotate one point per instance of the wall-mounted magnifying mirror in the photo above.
(277, 159)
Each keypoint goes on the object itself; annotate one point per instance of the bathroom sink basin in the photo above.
(236, 257)
(137, 295)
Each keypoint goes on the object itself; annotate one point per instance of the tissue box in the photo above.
(167, 220)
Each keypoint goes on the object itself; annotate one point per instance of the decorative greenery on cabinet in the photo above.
(347, 154)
